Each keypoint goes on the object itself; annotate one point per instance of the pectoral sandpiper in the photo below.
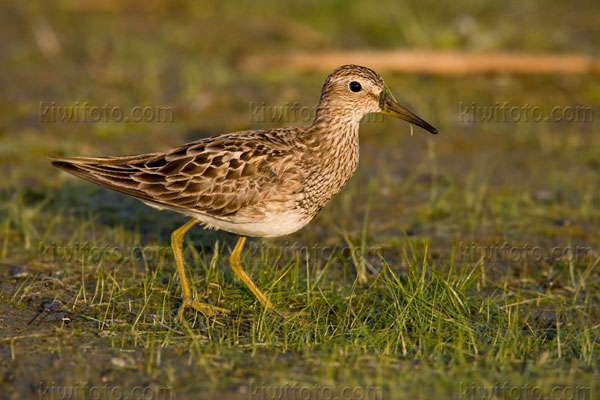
(261, 183)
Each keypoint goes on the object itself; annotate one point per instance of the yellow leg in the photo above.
(236, 266)
(176, 245)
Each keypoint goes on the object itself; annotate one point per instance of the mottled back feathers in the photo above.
(228, 176)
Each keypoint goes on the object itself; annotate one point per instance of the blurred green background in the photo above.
(488, 182)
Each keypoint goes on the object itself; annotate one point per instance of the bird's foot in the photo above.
(287, 315)
(206, 309)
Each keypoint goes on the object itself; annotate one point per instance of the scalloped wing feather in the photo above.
(237, 177)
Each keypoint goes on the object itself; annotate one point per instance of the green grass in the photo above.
(441, 310)
(430, 320)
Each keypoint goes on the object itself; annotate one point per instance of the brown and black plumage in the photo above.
(253, 183)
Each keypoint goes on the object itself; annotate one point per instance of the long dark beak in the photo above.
(390, 107)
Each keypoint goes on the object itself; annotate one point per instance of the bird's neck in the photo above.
(334, 134)
(333, 147)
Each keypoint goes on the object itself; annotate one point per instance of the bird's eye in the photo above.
(355, 86)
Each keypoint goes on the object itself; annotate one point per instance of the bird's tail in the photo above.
(115, 173)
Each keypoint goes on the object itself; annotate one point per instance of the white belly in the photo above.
(274, 224)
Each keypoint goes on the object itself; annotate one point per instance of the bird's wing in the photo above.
(226, 176)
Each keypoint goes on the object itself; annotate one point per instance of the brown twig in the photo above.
(431, 62)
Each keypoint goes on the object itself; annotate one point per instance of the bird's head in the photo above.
(351, 91)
